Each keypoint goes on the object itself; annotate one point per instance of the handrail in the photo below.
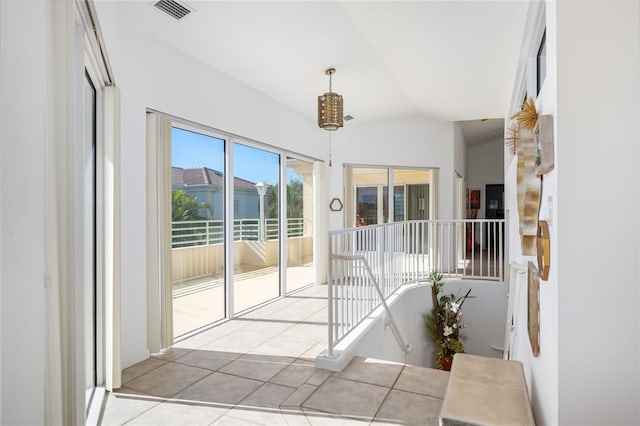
(206, 231)
(405, 347)
(405, 252)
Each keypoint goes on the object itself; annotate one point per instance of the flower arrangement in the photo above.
(444, 322)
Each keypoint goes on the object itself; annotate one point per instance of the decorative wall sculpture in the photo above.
(528, 193)
(543, 136)
(533, 311)
(512, 137)
(544, 250)
(532, 137)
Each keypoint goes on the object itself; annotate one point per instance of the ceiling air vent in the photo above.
(172, 8)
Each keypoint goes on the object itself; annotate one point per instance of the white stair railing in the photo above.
(368, 264)
(335, 328)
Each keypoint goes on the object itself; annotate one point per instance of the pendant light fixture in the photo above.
(330, 107)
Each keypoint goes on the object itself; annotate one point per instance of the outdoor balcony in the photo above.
(197, 267)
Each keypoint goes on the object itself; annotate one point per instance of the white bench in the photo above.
(486, 391)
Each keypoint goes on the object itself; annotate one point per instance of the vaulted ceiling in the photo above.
(449, 60)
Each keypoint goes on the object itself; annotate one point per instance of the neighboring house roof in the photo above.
(204, 176)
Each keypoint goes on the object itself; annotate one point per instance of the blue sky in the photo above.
(189, 149)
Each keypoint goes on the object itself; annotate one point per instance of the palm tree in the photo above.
(185, 207)
(294, 200)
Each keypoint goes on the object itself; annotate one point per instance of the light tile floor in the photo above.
(259, 370)
(200, 301)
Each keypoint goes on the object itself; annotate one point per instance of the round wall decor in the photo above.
(544, 249)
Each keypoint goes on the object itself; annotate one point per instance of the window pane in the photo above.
(371, 202)
(299, 224)
(398, 203)
(256, 251)
(197, 246)
(411, 194)
(367, 205)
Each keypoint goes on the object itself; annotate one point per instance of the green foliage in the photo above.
(294, 199)
(431, 324)
(185, 207)
(444, 321)
(448, 346)
(436, 279)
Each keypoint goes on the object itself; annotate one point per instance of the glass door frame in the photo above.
(285, 289)
(168, 303)
(89, 61)
(91, 286)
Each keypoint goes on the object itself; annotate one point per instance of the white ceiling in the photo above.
(450, 60)
(480, 132)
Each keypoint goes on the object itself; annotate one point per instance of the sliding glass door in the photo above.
(256, 225)
(369, 198)
(229, 250)
(197, 230)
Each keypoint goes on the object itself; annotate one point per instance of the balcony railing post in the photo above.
(330, 278)
(381, 263)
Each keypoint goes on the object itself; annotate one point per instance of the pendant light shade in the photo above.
(330, 107)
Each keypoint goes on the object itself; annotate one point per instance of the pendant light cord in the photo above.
(330, 148)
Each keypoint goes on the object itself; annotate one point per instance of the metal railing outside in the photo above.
(206, 232)
(402, 252)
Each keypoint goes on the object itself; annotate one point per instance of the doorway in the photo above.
(493, 209)
(494, 202)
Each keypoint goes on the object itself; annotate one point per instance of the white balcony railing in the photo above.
(207, 232)
(402, 252)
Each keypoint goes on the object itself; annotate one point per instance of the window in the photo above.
(368, 194)
(541, 62)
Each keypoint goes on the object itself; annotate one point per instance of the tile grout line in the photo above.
(144, 374)
(388, 393)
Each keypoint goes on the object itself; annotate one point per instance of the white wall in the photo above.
(460, 167)
(598, 106)
(542, 371)
(22, 115)
(410, 142)
(459, 151)
(167, 81)
(592, 89)
(485, 167)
